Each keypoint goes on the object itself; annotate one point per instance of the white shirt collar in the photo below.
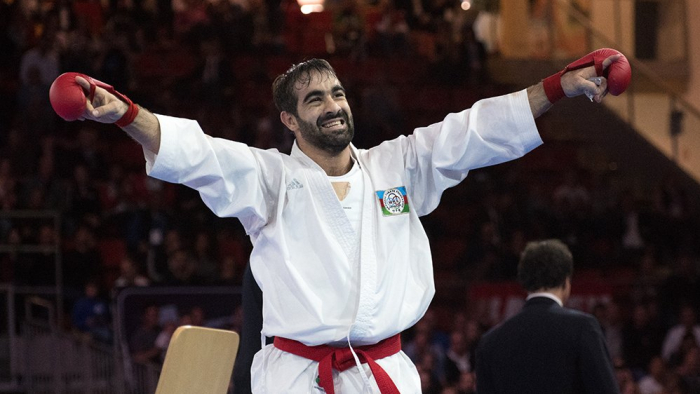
(545, 294)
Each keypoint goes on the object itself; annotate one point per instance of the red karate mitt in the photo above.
(618, 74)
(68, 98)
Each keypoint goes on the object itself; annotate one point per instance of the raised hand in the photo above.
(586, 81)
(103, 106)
(609, 67)
(76, 96)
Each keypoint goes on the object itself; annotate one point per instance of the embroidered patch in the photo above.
(393, 201)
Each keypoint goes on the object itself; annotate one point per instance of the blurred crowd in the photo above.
(214, 61)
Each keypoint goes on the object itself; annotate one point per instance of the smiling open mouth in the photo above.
(333, 123)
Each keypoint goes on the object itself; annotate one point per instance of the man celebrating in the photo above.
(545, 348)
(338, 248)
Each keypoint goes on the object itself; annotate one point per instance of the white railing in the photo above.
(56, 362)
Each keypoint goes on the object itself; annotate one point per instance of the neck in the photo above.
(334, 164)
(559, 292)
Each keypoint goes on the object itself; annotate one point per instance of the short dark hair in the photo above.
(545, 265)
(284, 85)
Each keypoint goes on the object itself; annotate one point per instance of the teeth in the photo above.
(332, 124)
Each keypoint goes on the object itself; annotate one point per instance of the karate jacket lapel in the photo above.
(322, 191)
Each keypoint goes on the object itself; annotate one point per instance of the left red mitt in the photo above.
(69, 101)
(67, 97)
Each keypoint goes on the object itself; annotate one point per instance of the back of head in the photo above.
(283, 88)
(545, 265)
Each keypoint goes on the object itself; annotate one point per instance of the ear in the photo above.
(567, 284)
(289, 120)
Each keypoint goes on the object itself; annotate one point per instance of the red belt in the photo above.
(341, 359)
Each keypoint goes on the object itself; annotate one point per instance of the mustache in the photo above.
(340, 114)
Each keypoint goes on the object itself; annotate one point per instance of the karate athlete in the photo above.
(338, 248)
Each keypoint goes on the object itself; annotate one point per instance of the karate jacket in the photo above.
(319, 286)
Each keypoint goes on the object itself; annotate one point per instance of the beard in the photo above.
(330, 141)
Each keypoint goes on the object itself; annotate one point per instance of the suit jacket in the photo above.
(545, 349)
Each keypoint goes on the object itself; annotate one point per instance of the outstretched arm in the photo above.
(107, 108)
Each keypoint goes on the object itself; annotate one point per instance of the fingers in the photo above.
(88, 111)
(610, 60)
(595, 88)
(601, 90)
(102, 107)
(110, 110)
(598, 98)
(103, 113)
(83, 83)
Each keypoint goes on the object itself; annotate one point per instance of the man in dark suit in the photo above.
(545, 348)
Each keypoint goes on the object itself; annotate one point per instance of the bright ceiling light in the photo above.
(309, 6)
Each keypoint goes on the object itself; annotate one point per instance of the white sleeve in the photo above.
(493, 131)
(226, 174)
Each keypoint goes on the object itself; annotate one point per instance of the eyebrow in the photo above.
(319, 92)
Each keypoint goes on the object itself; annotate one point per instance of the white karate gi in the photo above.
(319, 286)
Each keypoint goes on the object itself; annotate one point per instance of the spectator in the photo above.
(467, 383)
(682, 287)
(458, 359)
(687, 327)
(82, 198)
(655, 380)
(164, 336)
(142, 342)
(130, 275)
(393, 31)
(162, 242)
(571, 195)
(381, 111)
(229, 272)
(349, 30)
(689, 369)
(613, 329)
(649, 277)
(427, 356)
(43, 59)
(198, 316)
(91, 315)
(624, 377)
(205, 255)
(632, 226)
(181, 269)
(641, 340)
(474, 57)
(47, 184)
(34, 108)
(83, 262)
(19, 154)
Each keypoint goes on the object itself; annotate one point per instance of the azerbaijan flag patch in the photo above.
(393, 201)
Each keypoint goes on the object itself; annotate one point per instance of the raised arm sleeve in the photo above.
(228, 175)
(493, 131)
